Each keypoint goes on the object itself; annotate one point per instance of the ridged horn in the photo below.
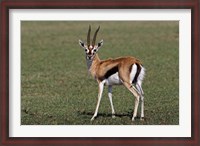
(88, 36)
(95, 35)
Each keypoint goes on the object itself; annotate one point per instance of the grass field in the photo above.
(56, 87)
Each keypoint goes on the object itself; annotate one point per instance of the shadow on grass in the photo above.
(85, 113)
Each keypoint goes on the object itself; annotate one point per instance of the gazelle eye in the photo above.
(95, 50)
(85, 50)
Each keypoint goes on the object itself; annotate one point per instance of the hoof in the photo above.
(92, 119)
(142, 119)
(133, 119)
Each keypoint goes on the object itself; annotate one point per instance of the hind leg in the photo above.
(139, 88)
(142, 108)
(136, 93)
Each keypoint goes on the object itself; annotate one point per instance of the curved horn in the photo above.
(95, 35)
(88, 36)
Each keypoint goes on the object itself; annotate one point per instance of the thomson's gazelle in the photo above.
(123, 70)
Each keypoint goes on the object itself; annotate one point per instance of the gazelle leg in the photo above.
(101, 85)
(142, 108)
(142, 100)
(137, 97)
(136, 108)
(110, 98)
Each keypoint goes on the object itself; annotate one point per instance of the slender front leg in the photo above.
(110, 98)
(101, 85)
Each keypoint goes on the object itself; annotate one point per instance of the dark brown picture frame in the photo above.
(6, 5)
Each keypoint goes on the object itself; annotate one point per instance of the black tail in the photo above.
(137, 74)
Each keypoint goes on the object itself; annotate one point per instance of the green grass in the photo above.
(56, 87)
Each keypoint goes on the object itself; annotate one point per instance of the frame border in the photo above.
(89, 4)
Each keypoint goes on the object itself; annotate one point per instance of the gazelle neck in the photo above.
(92, 64)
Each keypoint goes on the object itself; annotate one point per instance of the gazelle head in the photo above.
(91, 49)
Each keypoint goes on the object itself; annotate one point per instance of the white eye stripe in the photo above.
(94, 51)
(87, 50)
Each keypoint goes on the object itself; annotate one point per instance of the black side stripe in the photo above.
(137, 74)
(109, 73)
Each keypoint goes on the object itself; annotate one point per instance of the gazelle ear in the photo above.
(100, 44)
(81, 43)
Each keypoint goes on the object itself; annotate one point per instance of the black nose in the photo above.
(89, 57)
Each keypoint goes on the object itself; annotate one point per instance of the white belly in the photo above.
(113, 80)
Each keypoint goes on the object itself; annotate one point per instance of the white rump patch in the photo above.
(133, 72)
(140, 80)
(141, 76)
